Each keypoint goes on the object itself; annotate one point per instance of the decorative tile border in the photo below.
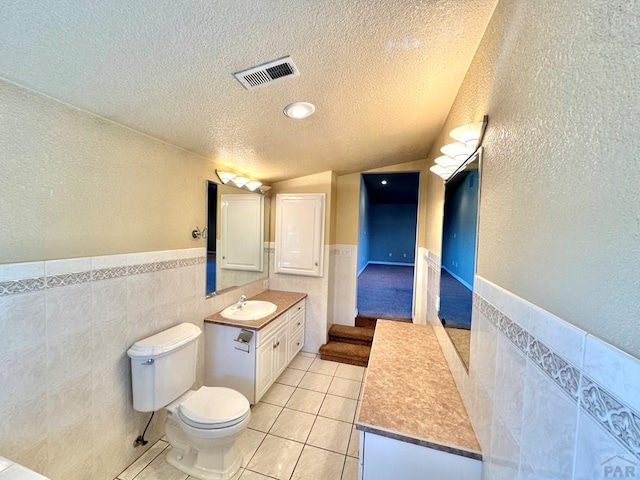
(27, 285)
(53, 281)
(618, 419)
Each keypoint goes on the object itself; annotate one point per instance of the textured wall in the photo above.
(559, 215)
(78, 185)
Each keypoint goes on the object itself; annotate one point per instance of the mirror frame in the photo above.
(462, 350)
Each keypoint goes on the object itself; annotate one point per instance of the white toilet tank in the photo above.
(163, 366)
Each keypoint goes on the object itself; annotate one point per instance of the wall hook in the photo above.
(196, 233)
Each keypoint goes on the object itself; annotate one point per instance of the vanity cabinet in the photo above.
(252, 367)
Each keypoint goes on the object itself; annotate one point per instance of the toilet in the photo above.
(202, 425)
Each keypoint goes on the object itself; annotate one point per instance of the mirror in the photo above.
(458, 260)
(237, 237)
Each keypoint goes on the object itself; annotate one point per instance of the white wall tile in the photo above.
(550, 420)
(141, 258)
(596, 450)
(68, 309)
(502, 461)
(109, 299)
(22, 374)
(108, 261)
(613, 369)
(66, 266)
(18, 271)
(22, 320)
(23, 424)
(141, 291)
(69, 403)
(511, 373)
(68, 358)
(564, 338)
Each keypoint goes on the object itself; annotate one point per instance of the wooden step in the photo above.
(355, 335)
(346, 353)
(370, 322)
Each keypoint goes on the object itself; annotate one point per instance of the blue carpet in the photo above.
(211, 275)
(385, 291)
(455, 302)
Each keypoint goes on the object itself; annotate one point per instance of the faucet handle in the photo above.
(243, 298)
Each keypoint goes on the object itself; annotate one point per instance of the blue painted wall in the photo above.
(363, 228)
(393, 232)
(460, 224)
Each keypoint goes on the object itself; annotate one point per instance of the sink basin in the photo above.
(250, 310)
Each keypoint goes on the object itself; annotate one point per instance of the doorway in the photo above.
(387, 236)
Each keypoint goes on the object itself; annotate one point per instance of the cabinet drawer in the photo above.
(296, 342)
(267, 332)
(296, 323)
(297, 309)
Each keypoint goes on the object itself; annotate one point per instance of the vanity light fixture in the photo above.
(383, 182)
(225, 177)
(240, 181)
(446, 161)
(468, 134)
(469, 139)
(253, 184)
(299, 110)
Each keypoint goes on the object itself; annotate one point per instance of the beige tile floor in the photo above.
(302, 429)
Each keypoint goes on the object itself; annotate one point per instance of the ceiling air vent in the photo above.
(267, 73)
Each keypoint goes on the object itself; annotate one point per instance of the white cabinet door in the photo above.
(264, 369)
(281, 352)
(300, 234)
(383, 458)
(242, 233)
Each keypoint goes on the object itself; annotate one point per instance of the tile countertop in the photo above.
(283, 300)
(410, 395)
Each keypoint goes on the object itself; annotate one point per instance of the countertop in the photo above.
(283, 300)
(409, 392)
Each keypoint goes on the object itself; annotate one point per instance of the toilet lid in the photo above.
(218, 406)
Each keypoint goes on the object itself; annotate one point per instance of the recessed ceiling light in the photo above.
(299, 110)
(384, 182)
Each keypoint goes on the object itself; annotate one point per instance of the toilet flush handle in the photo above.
(151, 361)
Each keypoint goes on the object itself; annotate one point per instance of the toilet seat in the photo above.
(213, 408)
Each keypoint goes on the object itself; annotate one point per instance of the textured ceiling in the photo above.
(382, 74)
(400, 188)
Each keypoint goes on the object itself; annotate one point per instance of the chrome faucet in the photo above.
(240, 303)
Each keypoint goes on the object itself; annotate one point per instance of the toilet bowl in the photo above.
(201, 425)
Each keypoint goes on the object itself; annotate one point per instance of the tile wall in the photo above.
(65, 327)
(547, 400)
(345, 258)
(317, 290)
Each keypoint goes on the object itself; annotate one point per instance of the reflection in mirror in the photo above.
(458, 261)
(238, 232)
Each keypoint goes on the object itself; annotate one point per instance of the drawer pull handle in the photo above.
(275, 346)
(298, 344)
(298, 323)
